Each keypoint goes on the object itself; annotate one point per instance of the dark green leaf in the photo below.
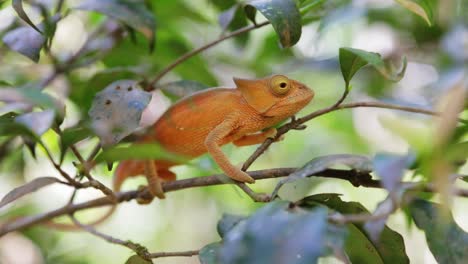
(71, 136)
(447, 241)
(277, 234)
(135, 259)
(356, 162)
(209, 253)
(25, 41)
(359, 247)
(351, 60)
(223, 4)
(5, 83)
(133, 13)
(283, 16)
(18, 6)
(27, 188)
(116, 110)
(138, 152)
(228, 222)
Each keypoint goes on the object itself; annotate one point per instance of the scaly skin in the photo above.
(211, 118)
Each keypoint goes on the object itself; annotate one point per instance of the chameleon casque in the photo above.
(206, 120)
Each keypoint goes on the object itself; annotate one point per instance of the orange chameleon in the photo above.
(206, 120)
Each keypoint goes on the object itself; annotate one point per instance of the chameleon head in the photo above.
(275, 96)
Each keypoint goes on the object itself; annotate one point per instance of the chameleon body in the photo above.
(206, 120)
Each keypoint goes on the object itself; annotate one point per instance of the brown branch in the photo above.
(352, 176)
(194, 52)
(189, 253)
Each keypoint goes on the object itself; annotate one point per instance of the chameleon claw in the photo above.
(143, 199)
(300, 127)
(241, 177)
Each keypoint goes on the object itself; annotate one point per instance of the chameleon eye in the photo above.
(280, 85)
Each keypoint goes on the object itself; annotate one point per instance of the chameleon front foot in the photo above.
(144, 198)
(154, 185)
(241, 176)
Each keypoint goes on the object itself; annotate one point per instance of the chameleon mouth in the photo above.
(295, 102)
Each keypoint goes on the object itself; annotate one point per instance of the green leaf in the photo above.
(27, 188)
(422, 8)
(116, 111)
(352, 60)
(283, 16)
(209, 253)
(25, 41)
(135, 259)
(446, 240)
(319, 164)
(18, 6)
(359, 247)
(223, 4)
(315, 10)
(71, 136)
(457, 153)
(228, 222)
(5, 83)
(138, 152)
(277, 233)
(131, 12)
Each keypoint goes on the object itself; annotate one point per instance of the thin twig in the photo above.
(94, 153)
(297, 122)
(217, 179)
(85, 170)
(66, 65)
(137, 248)
(189, 253)
(194, 52)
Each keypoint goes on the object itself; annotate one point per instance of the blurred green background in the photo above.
(437, 58)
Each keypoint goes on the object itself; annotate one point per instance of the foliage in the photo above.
(78, 106)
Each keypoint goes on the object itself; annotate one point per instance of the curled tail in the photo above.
(125, 169)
